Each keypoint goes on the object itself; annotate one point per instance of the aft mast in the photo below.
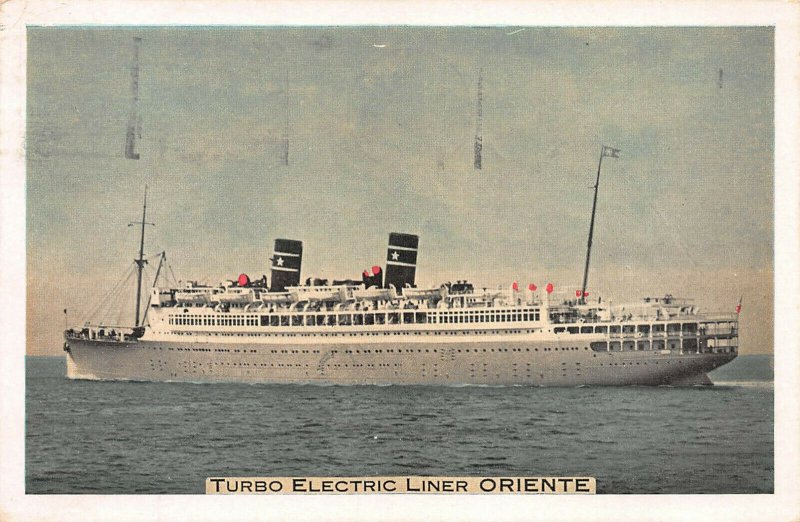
(611, 153)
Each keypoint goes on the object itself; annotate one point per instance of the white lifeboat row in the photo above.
(295, 294)
(255, 296)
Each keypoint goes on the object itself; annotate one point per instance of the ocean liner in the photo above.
(386, 330)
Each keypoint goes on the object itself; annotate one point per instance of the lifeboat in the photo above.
(190, 297)
(236, 296)
(375, 294)
(317, 293)
(425, 293)
(278, 297)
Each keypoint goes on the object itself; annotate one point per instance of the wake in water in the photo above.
(746, 384)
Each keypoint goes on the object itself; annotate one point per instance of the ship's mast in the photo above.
(162, 259)
(141, 261)
(613, 153)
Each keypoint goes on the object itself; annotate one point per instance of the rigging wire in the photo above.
(113, 304)
(161, 261)
(120, 308)
(94, 311)
(148, 275)
(174, 279)
(110, 308)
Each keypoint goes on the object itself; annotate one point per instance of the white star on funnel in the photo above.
(395, 256)
(280, 261)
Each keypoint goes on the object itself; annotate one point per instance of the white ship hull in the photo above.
(456, 362)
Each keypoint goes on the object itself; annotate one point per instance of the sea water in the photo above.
(133, 437)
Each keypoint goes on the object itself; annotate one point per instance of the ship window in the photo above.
(628, 346)
(658, 345)
(644, 328)
(614, 346)
(586, 329)
(614, 328)
(690, 345)
(572, 329)
(600, 329)
(599, 346)
(690, 327)
(643, 345)
(560, 329)
(628, 328)
(658, 328)
(673, 328)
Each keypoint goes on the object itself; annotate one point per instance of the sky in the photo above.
(381, 123)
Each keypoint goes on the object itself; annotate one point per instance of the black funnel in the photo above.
(286, 261)
(401, 260)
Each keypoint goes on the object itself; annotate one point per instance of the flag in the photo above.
(577, 293)
(739, 306)
(532, 287)
(611, 152)
(549, 288)
(515, 286)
